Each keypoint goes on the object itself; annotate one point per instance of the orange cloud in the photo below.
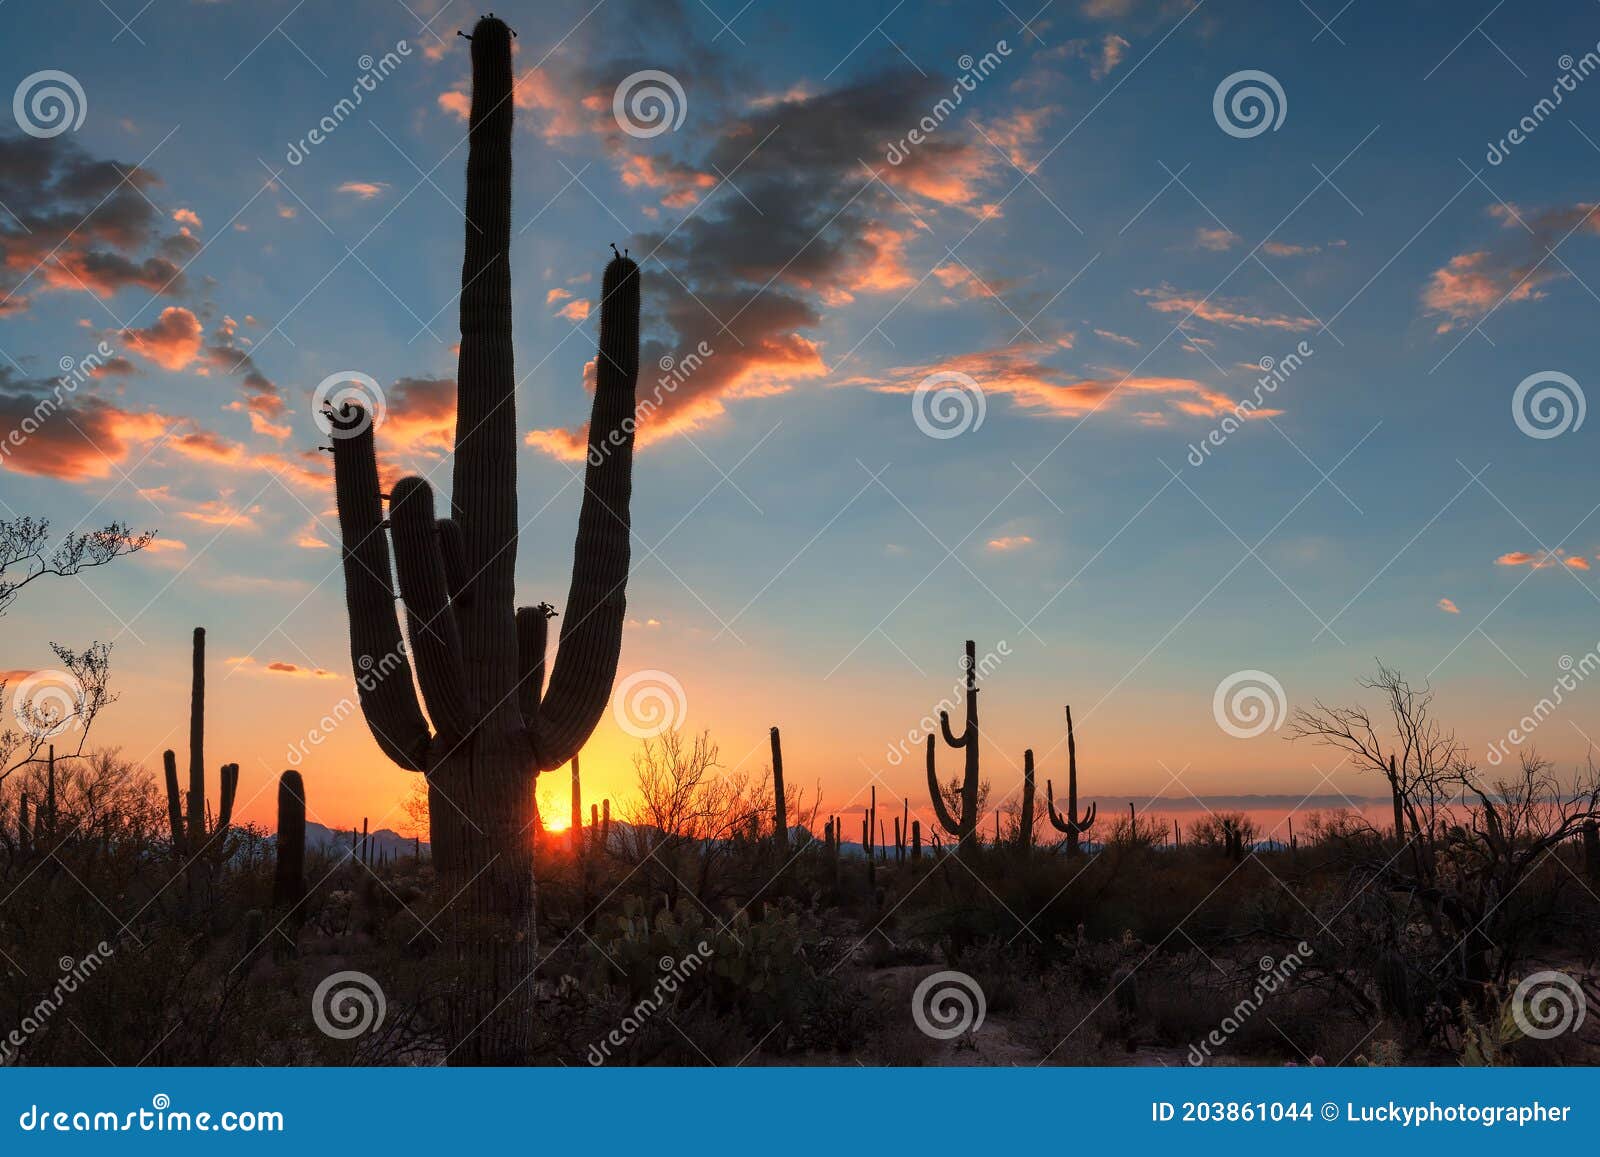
(1449, 607)
(1471, 284)
(1216, 240)
(366, 190)
(1021, 373)
(172, 341)
(187, 217)
(1542, 559)
(575, 310)
(1010, 542)
(1219, 311)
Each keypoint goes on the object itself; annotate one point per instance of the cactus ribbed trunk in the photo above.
(1025, 834)
(289, 878)
(780, 825)
(480, 664)
(197, 743)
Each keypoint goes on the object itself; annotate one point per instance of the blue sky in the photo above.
(1081, 238)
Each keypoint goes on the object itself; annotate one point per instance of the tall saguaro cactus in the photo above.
(1025, 829)
(964, 826)
(186, 812)
(479, 659)
(289, 876)
(780, 819)
(1072, 825)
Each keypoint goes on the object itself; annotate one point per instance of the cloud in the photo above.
(420, 417)
(1543, 559)
(73, 439)
(1110, 335)
(1009, 542)
(1516, 269)
(1021, 373)
(280, 667)
(77, 224)
(172, 341)
(1219, 311)
(1216, 240)
(575, 310)
(1449, 607)
(365, 190)
(187, 217)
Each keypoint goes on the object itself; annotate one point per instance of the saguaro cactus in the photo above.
(780, 822)
(479, 659)
(289, 879)
(1025, 829)
(965, 825)
(1071, 825)
(575, 823)
(187, 814)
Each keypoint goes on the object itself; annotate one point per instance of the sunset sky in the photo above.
(1080, 237)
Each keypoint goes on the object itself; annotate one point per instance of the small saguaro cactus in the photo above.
(869, 821)
(575, 824)
(916, 841)
(187, 813)
(1025, 821)
(964, 826)
(780, 821)
(289, 879)
(1072, 825)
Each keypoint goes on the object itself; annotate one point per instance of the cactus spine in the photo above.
(965, 826)
(1071, 825)
(480, 660)
(186, 813)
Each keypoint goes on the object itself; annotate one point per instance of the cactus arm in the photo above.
(949, 736)
(950, 823)
(169, 760)
(435, 641)
(483, 491)
(591, 630)
(230, 791)
(1087, 821)
(388, 699)
(453, 553)
(1056, 821)
(533, 639)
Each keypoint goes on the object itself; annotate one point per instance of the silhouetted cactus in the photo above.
(780, 824)
(480, 660)
(575, 823)
(1071, 825)
(289, 878)
(916, 840)
(188, 819)
(1025, 829)
(1591, 850)
(965, 825)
